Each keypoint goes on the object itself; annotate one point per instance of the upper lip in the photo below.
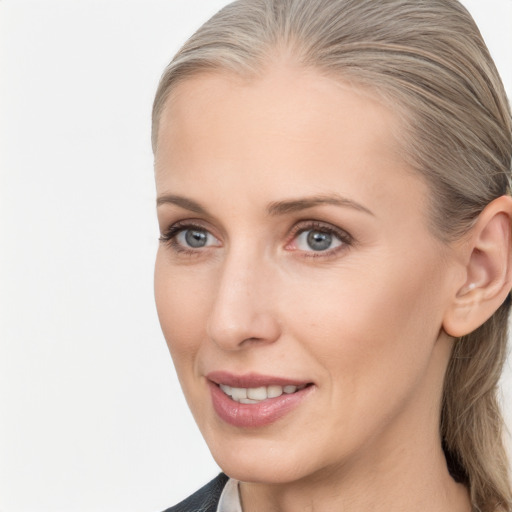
(252, 380)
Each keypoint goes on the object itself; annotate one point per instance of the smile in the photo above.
(259, 394)
(255, 401)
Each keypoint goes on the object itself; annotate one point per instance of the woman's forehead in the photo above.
(279, 137)
(285, 102)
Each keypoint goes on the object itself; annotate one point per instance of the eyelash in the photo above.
(303, 226)
(169, 237)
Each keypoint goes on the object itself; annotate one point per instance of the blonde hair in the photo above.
(428, 60)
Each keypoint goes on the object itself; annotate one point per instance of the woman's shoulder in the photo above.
(205, 499)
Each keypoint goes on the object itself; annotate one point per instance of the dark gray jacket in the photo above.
(205, 499)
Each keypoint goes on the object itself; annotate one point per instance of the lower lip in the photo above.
(255, 415)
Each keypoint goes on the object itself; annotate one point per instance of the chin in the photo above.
(262, 460)
(259, 470)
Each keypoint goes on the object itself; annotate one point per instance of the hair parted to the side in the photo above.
(427, 59)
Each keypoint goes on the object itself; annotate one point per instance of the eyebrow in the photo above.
(183, 202)
(295, 205)
(275, 208)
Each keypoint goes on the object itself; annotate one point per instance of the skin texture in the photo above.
(362, 322)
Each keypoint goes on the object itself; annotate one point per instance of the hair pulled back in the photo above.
(427, 60)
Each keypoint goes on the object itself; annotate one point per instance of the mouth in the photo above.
(261, 393)
(254, 400)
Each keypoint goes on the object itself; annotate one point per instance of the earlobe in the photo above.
(488, 270)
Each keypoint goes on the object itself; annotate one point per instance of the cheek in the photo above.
(373, 337)
(181, 305)
(373, 324)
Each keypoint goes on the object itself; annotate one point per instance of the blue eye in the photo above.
(189, 238)
(194, 238)
(317, 240)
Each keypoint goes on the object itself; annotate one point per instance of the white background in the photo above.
(91, 415)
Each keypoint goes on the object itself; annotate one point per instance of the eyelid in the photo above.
(344, 236)
(169, 235)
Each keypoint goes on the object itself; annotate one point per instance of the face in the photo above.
(297, 283)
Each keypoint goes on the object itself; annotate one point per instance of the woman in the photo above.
(333, 182)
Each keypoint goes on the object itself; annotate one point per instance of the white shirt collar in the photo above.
(230, 498)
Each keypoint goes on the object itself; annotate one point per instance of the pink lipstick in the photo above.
(253, 400)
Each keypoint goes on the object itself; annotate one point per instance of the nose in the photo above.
(243, 311)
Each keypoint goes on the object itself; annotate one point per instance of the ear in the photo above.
(488, 270)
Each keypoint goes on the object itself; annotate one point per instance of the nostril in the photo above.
(243, 329)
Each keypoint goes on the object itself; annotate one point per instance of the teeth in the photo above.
(238, 393)
(226, 389)
(257, 395)
(274, 391)
(249, 401)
